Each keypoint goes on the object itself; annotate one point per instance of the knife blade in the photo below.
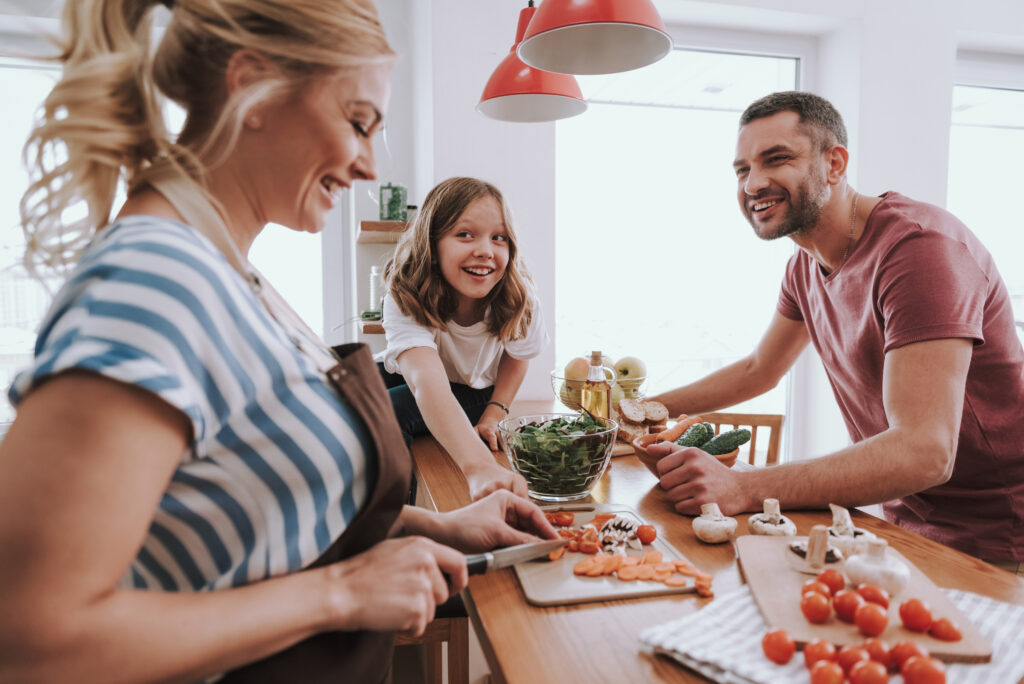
(479, 563)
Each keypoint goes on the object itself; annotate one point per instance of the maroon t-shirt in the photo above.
(917, 274)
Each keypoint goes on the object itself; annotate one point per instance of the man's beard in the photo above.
(802, 215)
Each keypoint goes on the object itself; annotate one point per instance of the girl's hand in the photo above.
(500, 519)
(487, 428)
(394, 586)
(485, 478)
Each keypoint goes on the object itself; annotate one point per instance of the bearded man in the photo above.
(914, 327)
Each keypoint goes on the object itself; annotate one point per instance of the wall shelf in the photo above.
(380, 232)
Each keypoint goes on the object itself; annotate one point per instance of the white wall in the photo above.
(888, 65)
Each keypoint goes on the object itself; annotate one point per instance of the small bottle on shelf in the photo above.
(373, 311)
(596, 394)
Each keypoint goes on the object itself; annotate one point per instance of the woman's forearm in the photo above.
(149, 636)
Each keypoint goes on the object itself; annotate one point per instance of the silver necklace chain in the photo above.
(849, 239)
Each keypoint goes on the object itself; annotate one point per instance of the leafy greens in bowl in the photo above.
(561, 455)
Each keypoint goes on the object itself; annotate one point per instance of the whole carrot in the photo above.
(676, 431)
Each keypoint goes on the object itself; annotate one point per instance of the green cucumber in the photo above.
(711, 433)
(695, 435)
(726, 442)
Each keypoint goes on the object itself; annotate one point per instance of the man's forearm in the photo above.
(725, 387)
(885, 467)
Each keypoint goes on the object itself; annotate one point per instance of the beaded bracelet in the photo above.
(499, 405)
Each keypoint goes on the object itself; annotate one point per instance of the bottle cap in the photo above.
(596, 358)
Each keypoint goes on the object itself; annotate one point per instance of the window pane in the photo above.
(986, 144)
(653, 257)
(23, 300)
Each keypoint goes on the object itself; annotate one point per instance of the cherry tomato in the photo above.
(868, 672)
(850, 656)
(871, 619)
(778, 646)
(944, 629)
(833, 579)
(819, 649)
(923, 670)
(646, 534)
(826, 672)
(916, 615)
(587, 546)
(873, 594)
(846, 603)
(817, 587)
(878, 650)
(815, 607)
(562, 518)
(904, 650)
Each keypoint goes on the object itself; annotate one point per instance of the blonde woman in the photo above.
(194, 486)
(462, 323)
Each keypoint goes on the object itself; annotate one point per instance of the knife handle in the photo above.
(476, 563)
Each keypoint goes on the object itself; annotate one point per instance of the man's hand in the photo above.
(692, 477)
(484, 478)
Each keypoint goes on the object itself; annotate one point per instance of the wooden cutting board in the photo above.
(621, 449)
(776, 589)
(552, 583)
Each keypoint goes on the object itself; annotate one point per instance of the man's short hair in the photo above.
(822, 121)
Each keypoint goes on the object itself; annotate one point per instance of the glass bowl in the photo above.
(561, 455)
(568, 391)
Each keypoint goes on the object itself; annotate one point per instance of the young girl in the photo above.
(462, 321)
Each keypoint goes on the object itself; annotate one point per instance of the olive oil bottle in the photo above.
(597, 392)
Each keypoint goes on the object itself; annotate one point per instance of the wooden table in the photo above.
(597, 642)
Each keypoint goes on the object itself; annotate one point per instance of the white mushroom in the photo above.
(844, 535)
(814, 554)
(878, 567)
(712, 527)
(771, 522)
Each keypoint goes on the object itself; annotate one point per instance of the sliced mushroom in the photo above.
(618, 534)
(712, 527)
(771, 522)
(844, 535)
(814, 554)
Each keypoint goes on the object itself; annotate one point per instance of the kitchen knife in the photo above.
(479, 563)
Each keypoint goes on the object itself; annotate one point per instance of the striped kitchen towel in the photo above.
(723, 642)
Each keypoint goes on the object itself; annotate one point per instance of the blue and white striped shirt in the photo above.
(279, 465)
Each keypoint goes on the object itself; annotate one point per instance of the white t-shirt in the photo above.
(470, 354)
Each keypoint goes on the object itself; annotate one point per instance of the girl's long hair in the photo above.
(414, 275)
(103, 124)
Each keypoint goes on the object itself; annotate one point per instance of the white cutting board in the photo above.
(552, 583)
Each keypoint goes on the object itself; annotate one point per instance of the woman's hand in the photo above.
(500, 519)
(487, 428)
(394, 586)
(484, 478)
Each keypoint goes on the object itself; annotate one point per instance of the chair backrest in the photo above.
(771, 421)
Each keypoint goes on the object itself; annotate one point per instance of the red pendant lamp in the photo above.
(517, 92)
(594, 36)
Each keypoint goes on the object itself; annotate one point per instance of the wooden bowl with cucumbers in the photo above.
(692, 431)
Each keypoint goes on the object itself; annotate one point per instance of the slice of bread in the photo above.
(629, 431)
(633, 410)
(654, 412)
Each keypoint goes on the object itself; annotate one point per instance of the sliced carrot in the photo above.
(630, 560)
(676, 431)
(675, 581)
(583, 566)
(614, 564)
(703, 577)
(662, 575)
(665, 566)
(628, 573)
(682, 563)
(645, 572)
(688, 570)
(652, 557)
(600, 519)
(557, 553)
(705, 592)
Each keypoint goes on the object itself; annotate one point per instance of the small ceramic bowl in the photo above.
(641, 443)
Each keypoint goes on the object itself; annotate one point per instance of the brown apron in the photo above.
(351, 656)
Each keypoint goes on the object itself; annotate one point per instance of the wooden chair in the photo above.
(455, 631)
(772, 421)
